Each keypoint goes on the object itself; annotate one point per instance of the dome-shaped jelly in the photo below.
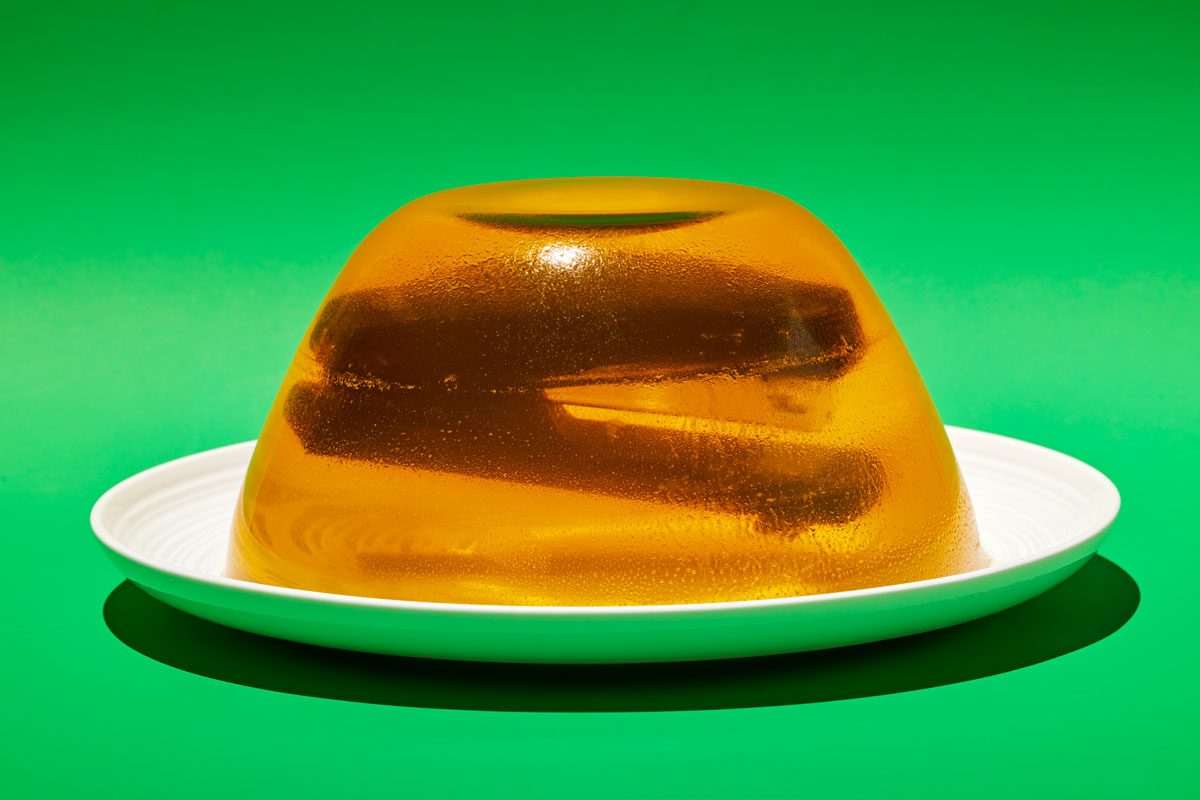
(601, 391)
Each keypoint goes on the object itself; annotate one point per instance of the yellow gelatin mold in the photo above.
(601, 391)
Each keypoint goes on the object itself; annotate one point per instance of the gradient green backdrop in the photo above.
(180, 183)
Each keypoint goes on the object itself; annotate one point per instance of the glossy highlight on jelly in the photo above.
(601, 391)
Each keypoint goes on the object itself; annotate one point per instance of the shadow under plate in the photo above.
(1088, 607)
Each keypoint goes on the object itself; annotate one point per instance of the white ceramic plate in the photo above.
(1041, 516)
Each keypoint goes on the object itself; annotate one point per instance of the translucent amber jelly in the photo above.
(601, 391)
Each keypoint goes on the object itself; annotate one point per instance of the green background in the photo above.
(179, 184)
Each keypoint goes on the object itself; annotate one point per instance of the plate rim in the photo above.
(1100, 483)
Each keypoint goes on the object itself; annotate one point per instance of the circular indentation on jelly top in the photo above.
(663, 219)
(598, 202)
